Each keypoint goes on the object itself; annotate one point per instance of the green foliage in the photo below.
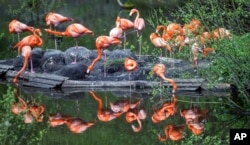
(230, 14)
(230, 64)
(13, 130)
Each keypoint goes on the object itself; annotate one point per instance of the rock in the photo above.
(82, 53)
(52, 60)
(73, 71)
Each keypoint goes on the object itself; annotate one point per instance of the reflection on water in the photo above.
(164, 118)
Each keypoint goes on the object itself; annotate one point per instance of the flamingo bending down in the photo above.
(18, 27)
(102, 42)
(139, 25)
(54, 19)
(74, 30)
(32, 41)
(125, 25)
(173, 132)
(159, 70)
(104, 115)
(37, 112)
(26, 53)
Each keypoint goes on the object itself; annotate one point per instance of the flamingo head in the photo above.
(132, 11)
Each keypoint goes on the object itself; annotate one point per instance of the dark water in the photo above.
(99, 15)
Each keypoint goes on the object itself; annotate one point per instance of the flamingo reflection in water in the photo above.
(175, 133)
(31, 112)
(104, 115)
(124, 105)
(163, 112)
(195, 119)
(78, 125)
(136, 114)
(58, 119)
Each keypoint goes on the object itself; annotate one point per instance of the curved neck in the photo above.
(158, 28)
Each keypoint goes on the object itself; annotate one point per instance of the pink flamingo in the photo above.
(18, 27)
(54, 19)
(74, 30)
(139, 25)
(159, 70)
(102, 42)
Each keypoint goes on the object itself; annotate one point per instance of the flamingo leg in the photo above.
(31, 65)
(74, 62)
(104, 66)
(124, 40)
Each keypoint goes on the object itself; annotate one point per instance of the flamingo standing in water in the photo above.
(18, 27)
(159, 70)
(54, 19)
(74, 30)
(139, 25)
(104, 115)
(102, 42)
(32, 41)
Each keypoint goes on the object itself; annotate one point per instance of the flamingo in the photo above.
(116, 32)
(18, 27)
(54, 19)
(221, 33)
(124, 105)
(77, 125)
(104, 115)
(167, 109)
(26, 53)
(175, 133)
(20, 106)
(159, 42)
(136, 114)
(125, 25)
(74, 30)
(159, 70)
(102, 42)
(32, 41)
(37, 112)
(139, 25)
(199, 47)
(194, 119)
(57, 119)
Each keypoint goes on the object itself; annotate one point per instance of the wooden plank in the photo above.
(44, 81)
(37, 85)
(27, 75)
(7, 67)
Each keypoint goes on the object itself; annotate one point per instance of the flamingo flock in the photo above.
(173, 36)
